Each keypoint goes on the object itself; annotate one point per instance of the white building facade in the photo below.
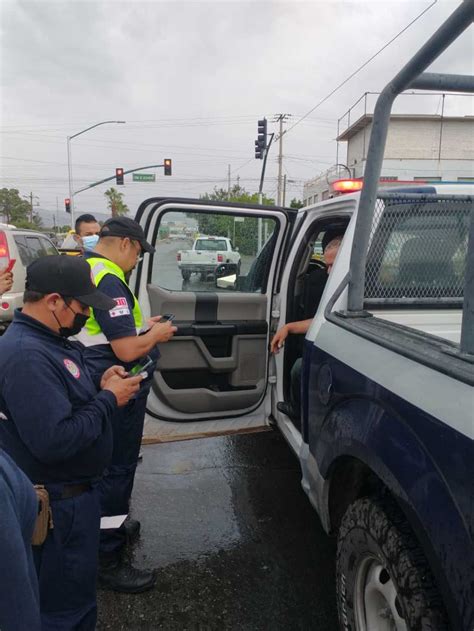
(419, 147)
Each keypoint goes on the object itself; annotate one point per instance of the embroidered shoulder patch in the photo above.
(121, 309)
(73, 368)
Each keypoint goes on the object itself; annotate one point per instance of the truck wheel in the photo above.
(383, 579)
(186, 275)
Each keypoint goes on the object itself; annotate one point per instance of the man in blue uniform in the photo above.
(19, 596)
(118, 336)
(57, 427)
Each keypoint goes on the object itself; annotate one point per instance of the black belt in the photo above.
(73, 490)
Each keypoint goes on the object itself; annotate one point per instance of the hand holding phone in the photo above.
(167, 317)
(141, 367)
(9, 267)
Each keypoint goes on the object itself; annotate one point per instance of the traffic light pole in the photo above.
(260, 192)
(264, 166)
(108, 179)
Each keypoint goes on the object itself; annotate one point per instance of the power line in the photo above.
(353, 74)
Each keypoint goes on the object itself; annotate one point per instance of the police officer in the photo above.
(57, 427)
(119, 336)
(19, 595)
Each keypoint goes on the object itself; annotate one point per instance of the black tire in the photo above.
(238, 269)
(375, 534)
(185, 274)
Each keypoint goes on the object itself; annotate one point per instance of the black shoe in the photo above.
(120, 577)
(288, 409)
(132, 529)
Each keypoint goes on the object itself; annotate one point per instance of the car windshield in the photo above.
(211, 244)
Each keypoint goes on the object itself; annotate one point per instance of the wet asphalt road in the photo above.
(234, 539)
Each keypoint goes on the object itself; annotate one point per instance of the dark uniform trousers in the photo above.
(117, 483)
(67, 562)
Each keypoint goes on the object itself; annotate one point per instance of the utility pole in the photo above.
(30, 198)
(284, 190)
(228, 181)
(280, 118)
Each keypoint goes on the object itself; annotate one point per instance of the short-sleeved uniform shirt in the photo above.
(115, 324)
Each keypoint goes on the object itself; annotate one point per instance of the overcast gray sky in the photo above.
(191, 79)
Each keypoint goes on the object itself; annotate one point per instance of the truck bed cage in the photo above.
(411, 76)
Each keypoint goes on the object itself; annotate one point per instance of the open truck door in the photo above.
(212, 376)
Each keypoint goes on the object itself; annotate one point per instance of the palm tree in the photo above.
(115, 202)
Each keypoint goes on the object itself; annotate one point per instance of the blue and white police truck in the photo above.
(387, 419)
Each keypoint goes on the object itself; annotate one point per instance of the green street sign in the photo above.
(143, 177)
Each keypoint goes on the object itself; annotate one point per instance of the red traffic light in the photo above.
(67, 205)
(119, 176)
(167, 165)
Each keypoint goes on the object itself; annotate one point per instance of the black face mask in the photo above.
(77, 325)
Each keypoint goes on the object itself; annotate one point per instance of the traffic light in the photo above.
(261, 142)
(167, 164)
(119, 176)
(67, 205)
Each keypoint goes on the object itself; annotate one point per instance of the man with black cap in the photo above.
(331, 242)
(56, 426)
(119, 335)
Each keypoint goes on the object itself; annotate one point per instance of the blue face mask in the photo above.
(90, 242)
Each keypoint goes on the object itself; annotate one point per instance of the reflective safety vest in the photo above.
(91, 334)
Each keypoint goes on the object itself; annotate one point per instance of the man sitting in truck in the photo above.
(331, 242)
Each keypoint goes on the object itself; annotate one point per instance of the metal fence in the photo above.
(418, 250)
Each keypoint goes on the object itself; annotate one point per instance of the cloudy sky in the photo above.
(191, 79)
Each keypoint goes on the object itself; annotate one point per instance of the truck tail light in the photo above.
(4, 252)
(178, 256)
(220, 258)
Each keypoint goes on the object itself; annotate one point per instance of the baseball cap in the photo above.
(125, 227)
(69, 276)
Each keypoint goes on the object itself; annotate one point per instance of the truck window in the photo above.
(212, 252)
(418, 252)
(211, 245)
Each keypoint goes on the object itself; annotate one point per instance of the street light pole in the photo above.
(69, 161)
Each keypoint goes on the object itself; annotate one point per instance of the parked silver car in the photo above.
(25, 246)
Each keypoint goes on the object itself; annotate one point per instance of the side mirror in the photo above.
(236, 249)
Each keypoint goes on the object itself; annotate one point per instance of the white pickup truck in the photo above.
(206, 255)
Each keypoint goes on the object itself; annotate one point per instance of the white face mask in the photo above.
(90, 241)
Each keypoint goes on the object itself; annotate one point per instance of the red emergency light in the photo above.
(347, 186)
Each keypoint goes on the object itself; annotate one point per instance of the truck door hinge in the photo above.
(276, 313)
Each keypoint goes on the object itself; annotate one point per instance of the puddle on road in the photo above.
(186, 495)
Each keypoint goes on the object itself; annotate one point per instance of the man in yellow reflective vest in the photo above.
(116, 337)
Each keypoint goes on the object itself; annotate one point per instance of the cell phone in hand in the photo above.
(141, 367)
(168, 317)
(10, 265)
